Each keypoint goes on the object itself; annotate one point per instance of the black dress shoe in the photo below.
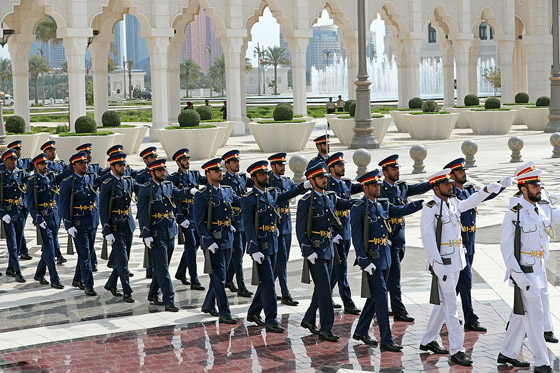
(392, 347)
(365, 338)
(197, 287)
(10, 272)
(543, 369)
(278, 297)
(289, 301)
(183, 280)
(460, 358)
(19, 277)
(113, 291)
(336, 306)
(311, 327)
(90, 292)
(274, 328)
(154, 301)
(502, 359)
(227, 320)
(128, 298)
(210, 312)
(231, 286)
(352, 310)
(94, 267)
(256, 319)
(25, 257)
(130, 274)
(148, 276)
(328, 336)
(244, 293)
(61, 260)
(434, 347)
(171, 308)
(78, 285)
(474, 327)
(110, 265)
(57, 285)
(42, 280)
(550, 337)
(405, 317)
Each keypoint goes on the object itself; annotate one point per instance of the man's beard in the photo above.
(462, 181)
(341, 173)
(160, 179)
(263, 184)
(533, 197)
(446, 194)
(119, 173)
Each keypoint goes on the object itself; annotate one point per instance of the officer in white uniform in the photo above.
(447, 261)
(536, 217)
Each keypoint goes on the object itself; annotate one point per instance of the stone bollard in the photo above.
(297, 164)
(362, 159)
(469, 149)
(515, 144)
(418, 153)
(555, 142)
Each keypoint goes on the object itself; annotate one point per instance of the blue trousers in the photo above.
(394, 280)
(235, 266)
(188, 259)
(217, 289)
(161, 278)
(84, 244)
(22, 248)
(265, 296)
(322, 295)
(14, 237)
(464, 286)
(339, 274)
(376, 304)
(281, 268)
(93, 254)
(119, 254)
(47, 251)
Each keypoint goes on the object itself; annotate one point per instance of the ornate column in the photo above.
(19, 47)
(448, 75)
(554, 117)
(352, 67)
(538, 49)
(473, 67)
(75, 48)
(461, 51)
(232, 54)
(408, 70)
(99, 51)
(157, 47)
(505, 53)
(174, 80)
(243, 93)
(298, 49)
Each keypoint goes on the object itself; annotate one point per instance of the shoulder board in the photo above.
(248, 193)
(518, 194)
(174, 173)
(147, 183)
(68, 178)
(306, 196)
(359, 203)
(516, 207)
(430, 204)
(544, 202)
(107, 180)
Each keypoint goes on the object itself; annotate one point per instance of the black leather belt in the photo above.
(373, 254)
(527, 269)
(446, 261)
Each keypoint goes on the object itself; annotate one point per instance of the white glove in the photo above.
(149, 241)
(193, 191)
(337, 239)
(506, 182)
(307, 184)
(258, 257)
(213, 248)
(277, 232)
(72, 231)
(110, 238)
(313, 258)
(43, 225)
(440, 270)
(494, 188)
(234, 230)
(7, 219)
(370, 268)
(185, 224)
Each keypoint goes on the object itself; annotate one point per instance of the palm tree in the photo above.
(248, 65)
(190, 71)
(45, 31)
(5, 72)
(38, 65)
(129, 65)
(218, 71)
(275, 56)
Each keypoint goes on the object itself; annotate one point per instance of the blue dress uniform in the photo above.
(128, 170)
(83, 218)
(13, 208)
(376, 250)
(343, 189)
(262, 237)
(143, 176)
(319, 158)
(319, 242)
(220, 234)
(397, 194)
(184, 212)
(116, 194)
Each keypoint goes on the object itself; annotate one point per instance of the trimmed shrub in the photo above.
(347, 105)
(189, 118)
(430, 106)
(63, 128)
(521, 98)
(85, 125)
(471, 100)
(205, 112)
(111, 119)
(415, 103)
(352, 109)
(283, 112)
(15, 124)
(543, 101)
(492, 103)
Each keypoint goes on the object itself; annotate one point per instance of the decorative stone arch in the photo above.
(520, 28)
(277, 12)
(487, 16)
(114, 11)
(180, 21)
(28, 24)
(339, 17)
(393, 20)
(443, 22)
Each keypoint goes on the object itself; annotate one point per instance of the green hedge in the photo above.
(543, 101)
(111, 119)
(283, 113)
(15, 124)
(85, 125)
(189, 118)
(282, 121)
(205, 112)
(521, 98)
(471, 100)
(72, 134)
(190, 128)
(492, 103)
(415, 103)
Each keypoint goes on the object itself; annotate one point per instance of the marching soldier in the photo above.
(93, 168)
(41, 196)
(185, 177)
(113, 150)
(148, 155)
(441, 235)
(22, 163)
(283, 184)
(397, 192)
(315, 218)
(238, 183)
(260, 217)
(370, 232)
(158, 229)
(341, 241)
(213, 221)
(323, 147)
(12, 210)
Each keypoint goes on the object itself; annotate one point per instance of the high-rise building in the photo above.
(202, 45)
(136, 48)
(284, 44)
(324, 47)
(55, 55)
(120, 43)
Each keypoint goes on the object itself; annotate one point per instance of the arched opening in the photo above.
(485, 52)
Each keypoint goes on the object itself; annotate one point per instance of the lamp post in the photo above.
(363, 131)
(2, 127)
(124, 77)
(258, 53)
(554, 116)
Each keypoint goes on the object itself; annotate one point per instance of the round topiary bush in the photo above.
(430, 106)
(415, 103)
(521, 98)
(541, 101)
(111, 119)
(189, 118)
(85, 125)
(471, 100)
(352, 109)
(15, 124)
(347, 105)
(205, 112)
(283, 112)
(492, 103)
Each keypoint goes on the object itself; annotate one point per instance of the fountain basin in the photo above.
(491, 122)
(430, 126)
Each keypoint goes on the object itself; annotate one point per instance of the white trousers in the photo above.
(531, 324)
(446, 313)
(548, 327)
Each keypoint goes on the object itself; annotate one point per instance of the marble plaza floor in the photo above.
(42, 329)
